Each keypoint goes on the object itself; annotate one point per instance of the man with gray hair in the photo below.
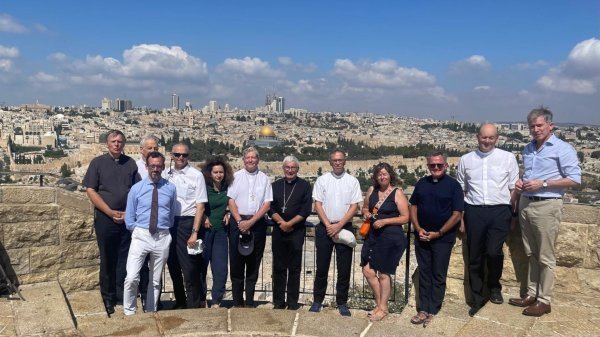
(292, 204)
(550, 166)
(250, 197)
(147, 144)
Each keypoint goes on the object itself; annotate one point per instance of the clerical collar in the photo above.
(338, 176)
(484, 154)
(253, 173)
(435, 180)
(291, 182)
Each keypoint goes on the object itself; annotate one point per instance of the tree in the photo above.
(580, 155)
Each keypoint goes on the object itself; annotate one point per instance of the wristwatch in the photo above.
(194, 230)
(545, 184)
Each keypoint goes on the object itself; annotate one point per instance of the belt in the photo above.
(184, 216)
(488, 206)
(534, 198)
(246, 217)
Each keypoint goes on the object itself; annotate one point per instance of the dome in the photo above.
(266, 131)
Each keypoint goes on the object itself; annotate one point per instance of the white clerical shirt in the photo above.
(337, 194)
(250, 190)
(487, 177)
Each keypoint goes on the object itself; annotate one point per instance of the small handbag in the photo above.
(366, 225)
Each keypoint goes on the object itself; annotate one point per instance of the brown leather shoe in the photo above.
(537, 309)
(523, 301)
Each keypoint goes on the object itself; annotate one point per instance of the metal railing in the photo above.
(359, 289)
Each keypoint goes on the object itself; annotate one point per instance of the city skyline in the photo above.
(471, 61)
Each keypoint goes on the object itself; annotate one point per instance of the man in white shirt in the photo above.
(189, 210)
(336, 196)
(487, 177)
(147, 144)
(250, 197)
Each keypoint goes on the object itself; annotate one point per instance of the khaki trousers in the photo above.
(540, 222)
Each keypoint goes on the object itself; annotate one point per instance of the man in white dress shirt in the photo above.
(487, 177)
(189, 210)
(336, 196)
(250, 198)
(147, 144)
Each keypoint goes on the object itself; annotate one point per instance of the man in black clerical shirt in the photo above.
(292, 204)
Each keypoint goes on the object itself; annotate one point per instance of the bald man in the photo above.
(487, 176)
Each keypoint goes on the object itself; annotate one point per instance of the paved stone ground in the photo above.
(48, 312)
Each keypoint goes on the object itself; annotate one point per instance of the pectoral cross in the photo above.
(283, 209)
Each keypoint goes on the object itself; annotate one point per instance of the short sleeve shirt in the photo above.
(337, 194)
(250, 190)
(191, 189)
(435, 201)
(112, 179)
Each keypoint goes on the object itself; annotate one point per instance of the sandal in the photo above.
(419, 318)
(370, 313)
(428, 320)
(378, 315)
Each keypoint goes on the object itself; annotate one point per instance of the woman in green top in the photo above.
(218, 176)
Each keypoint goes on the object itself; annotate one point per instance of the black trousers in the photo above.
(113, 243)
(433, 258)
(324, 245)
(487, 229)
(185, 269)
(244, 269)
(287, 264)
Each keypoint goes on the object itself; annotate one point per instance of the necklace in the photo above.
(248, 174)
(288, 198)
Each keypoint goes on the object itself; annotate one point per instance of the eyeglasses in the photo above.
(290, 168)
(432, 166)
(156, 167)
(177, 155)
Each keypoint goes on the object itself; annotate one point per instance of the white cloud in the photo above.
(384, 74)
(153, 60)
(59, 57)
(474, 63)
(9, 52)
(482, 88)
(248, 66)
(40, 28)
(579, 74)
(10, 25)
(6, 65)
(44, 77)
(285, 60)
(532, 65)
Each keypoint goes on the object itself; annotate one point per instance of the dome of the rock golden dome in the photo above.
(266, 131)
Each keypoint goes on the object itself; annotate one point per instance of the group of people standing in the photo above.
(147, 215)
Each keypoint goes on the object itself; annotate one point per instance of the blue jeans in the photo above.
(216, 253)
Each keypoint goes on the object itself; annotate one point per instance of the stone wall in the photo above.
(578, 259)
(46, 234)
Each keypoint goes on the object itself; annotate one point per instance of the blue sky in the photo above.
(468, 60)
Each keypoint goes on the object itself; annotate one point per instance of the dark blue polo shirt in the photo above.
(112, 179)
(435, 203)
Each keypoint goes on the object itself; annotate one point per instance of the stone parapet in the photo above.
(577, 252)
(46, 234)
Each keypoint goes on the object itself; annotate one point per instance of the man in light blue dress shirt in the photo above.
(550, 165)
(150, 232)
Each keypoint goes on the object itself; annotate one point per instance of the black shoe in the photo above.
(496, 297)
(474, 309)
(278, 306)
(293, 306)
(110, 307)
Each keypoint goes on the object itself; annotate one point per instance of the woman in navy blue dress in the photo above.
(386, 242)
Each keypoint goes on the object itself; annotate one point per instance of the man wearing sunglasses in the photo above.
(436, 207)
(487, 176)
(189, 210)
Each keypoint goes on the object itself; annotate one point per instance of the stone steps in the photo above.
(46, 313)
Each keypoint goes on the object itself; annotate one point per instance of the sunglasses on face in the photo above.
(432, 166)
(177, 155)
